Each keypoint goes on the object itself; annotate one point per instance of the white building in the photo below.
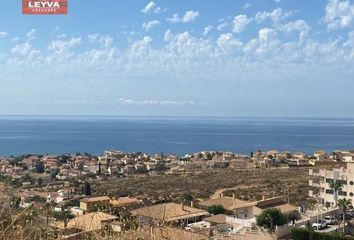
(321, 183)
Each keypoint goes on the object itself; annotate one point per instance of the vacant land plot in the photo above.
(246, 184)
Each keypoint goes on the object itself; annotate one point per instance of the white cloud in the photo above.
(276, 15)
(339, 14)
(227, 41)
(350, 41)
(247, 5)
(67, 102)
(240, 22)
(188, 17)
(103, 40)
(299, 25)
(3, 34)
(168, 35)
(61, 36)
(152, 7)
(149, 7)
(149, 102)
(222, 26)
(60, 46)
(140, 48)
(31, 33)
(227, 56)
(207, 30)
(22, 49)
(265, 35)
(148, 25)
(349, 45)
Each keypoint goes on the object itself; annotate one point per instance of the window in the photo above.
(343, 182)
(342, 193)
(351, 182)
(351, 194)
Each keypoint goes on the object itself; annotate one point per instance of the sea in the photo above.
(178, 135)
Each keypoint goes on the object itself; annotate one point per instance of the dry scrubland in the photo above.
(246, 184)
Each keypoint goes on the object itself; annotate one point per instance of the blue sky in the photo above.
(202, 57)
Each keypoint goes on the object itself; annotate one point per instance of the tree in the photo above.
(344, 204)
(216, 209)
(270, 218)
(63, 159)
(293, 216)
(336, 186)
(54, 173)
(327, 205)
(86, 189)
(39, 167)
(63, 216)
(187, 197)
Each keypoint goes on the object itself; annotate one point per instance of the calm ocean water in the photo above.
(54, 135)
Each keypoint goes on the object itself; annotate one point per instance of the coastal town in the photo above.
(76, 196)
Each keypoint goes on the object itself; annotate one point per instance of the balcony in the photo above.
(314, 184)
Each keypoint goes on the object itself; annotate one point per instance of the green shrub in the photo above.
(303, 234)
(216, 209)
(270, 218)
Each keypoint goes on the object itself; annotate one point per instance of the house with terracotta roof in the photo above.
(229, 203)
(88, 204)
(216, 219)
(244, 212)
(92, 221)
(169, 213)
(125, 202)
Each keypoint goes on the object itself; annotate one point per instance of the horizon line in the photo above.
(172, 116)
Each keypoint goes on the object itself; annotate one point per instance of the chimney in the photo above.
(182, 206)
(192, 204)
(233, 199)
(263, 198)
(222, 195)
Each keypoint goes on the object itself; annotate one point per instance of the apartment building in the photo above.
(320, 184)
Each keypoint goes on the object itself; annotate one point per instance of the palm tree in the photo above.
(327, 205)
(336, 187)
(344, 204)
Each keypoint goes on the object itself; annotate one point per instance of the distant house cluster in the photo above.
(24, 170)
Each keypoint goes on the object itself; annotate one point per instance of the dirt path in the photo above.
(219, 191)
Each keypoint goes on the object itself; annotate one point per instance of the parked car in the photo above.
(330, 220)
(320, 224)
